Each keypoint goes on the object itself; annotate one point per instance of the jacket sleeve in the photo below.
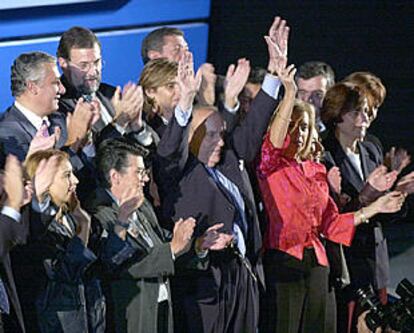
(246, 139)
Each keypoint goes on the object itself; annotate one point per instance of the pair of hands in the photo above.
(235, 80)
(277, 45)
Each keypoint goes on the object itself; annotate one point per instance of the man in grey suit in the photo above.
(137, 253)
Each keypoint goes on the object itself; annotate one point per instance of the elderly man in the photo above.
(36, 87)
(138, 254)
(209, 183)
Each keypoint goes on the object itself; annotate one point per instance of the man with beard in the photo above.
(80, 58)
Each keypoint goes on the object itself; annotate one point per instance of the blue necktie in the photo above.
(4, 300)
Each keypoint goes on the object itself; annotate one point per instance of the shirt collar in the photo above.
(32, 117)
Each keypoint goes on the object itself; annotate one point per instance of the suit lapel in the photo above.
(367, 164)
(23, 122)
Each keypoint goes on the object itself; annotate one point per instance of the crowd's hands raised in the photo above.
(207, 92)
(406, 184)
(136, 123)
(41, 141)
(127, 103)
(277, 44)
(213, 239)
(82, 218)
(397, 159)
(236, 78)
(287, 77)
(80, 122)
(334, 180)
(12, 183)
(182, 235)
(44, 176)
(188, 82)
(382, 180)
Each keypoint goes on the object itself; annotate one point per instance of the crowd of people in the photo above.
(189, 201)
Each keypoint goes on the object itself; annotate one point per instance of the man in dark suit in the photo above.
(80, 58)
(13, 230)
(137, 253)
(199, 174)
(36, 87)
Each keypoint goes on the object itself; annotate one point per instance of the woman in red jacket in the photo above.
(301, 214)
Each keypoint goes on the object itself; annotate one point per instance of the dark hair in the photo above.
(340, 99)
(76, 38)
(113, 154)
(257, 75)
(28, 67)
(312, 69)
(154, 41)
(372, 85)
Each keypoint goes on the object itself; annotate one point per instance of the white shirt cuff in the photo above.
(12, 213)
(271, 85)
(181, 116)
(232, 110)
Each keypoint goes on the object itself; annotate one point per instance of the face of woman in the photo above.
(166, 97)
(64, 184)
(355, 123)
(299, 132)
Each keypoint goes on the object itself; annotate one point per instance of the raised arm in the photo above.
(280, 124)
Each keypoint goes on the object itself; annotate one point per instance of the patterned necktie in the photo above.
(45, 126)
(4, 300)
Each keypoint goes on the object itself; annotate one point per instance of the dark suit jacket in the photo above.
(16, 132)
(132, 267)
(11, 233)
(186, 189)
(363, 255)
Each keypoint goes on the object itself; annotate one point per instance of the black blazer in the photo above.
(187, 190)
(16, 131)
(133, 268)
(12, 233)
(362, 256)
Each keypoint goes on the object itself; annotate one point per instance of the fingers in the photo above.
(230, 71)
(216, 227)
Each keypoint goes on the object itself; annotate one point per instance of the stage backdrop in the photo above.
(29, 25)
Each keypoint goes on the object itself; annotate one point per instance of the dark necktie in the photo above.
(4, 300)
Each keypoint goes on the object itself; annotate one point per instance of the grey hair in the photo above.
(28, 67)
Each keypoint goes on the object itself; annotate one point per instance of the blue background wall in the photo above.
(120, 25)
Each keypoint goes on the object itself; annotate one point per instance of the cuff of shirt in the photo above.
(181, 116)
(12, 213)
(271, 85)
(42, 207)
(232, 110)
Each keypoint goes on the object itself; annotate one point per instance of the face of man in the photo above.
(212, 142)
(134, 176)
(312, 90)
(48, 90)
(173, 48)
(83, 69)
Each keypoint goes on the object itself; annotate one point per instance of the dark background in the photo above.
(375, 36)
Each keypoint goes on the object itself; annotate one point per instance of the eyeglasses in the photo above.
(86, 66)
(143, 172)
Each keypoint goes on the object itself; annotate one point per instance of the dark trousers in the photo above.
(297, 297)
(162, 320)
